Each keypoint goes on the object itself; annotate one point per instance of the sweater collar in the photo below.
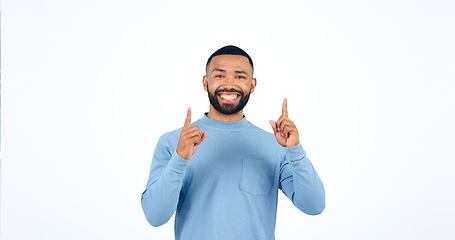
(223, 125)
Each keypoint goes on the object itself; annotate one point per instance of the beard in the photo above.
(228, 108)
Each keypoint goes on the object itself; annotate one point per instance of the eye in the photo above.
(240, 77)
(218, 76)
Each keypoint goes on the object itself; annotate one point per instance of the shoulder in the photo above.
(170, 138)
(265, 142)
(254, 128)
(259, 132)
(174, 135)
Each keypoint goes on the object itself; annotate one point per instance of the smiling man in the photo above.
(221, 174)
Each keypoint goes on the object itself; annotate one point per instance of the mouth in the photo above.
(229, 97)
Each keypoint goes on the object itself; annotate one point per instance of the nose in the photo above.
(229, 82)
(230, 79)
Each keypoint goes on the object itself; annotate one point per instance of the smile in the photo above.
(230, 96)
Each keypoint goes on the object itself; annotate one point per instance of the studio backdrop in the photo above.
(88, 87)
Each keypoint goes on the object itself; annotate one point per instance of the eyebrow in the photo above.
(236, 71)
(219, 70)
(241, 72)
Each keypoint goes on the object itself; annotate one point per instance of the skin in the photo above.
(228, 71)
(232, 72)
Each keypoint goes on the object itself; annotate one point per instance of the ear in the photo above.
(253, 84)
(204, 82)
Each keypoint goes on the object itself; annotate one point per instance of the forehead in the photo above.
(230, 62)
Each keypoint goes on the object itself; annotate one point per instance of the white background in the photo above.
(89, 86)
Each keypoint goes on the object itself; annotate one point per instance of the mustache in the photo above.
(229, 90)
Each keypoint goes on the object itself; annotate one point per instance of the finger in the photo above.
(204, 135)
(195, 140)
(274, 126)
(280, 121)
(194, 131)
(285, 107)
(198, 139)
(287, 129)
(188, 119)
(198, 130)
(286, 126)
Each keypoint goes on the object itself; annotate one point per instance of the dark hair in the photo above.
(230, 50)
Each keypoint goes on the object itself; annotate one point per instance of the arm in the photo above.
(300, 182)
(298, 179)
(160, 198)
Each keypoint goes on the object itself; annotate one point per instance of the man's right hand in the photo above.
(189, 139)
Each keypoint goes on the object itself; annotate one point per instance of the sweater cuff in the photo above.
(177, 163)
(295, 153)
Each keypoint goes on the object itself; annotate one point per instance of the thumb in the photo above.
(204, 135)
(273, 124)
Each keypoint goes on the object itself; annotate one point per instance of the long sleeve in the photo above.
(300, 182)
(160, 198)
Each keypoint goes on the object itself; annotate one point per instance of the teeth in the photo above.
(228, 97)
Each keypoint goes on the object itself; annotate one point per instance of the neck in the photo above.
(214, 114)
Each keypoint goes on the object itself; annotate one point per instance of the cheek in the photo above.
(246, 87)
(212, 86)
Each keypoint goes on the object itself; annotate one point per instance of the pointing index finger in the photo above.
(188, 119)
(285, 107)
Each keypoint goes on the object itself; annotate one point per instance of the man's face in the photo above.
(229, 82)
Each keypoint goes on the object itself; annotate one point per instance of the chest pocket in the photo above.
(257, 176)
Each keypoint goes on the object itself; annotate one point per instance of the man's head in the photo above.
(230, 50)
(229, 79)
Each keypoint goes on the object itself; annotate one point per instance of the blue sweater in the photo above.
(229, 188)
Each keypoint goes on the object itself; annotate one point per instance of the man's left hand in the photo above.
(286, 132)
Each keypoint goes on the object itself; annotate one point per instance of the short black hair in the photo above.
(230, 50)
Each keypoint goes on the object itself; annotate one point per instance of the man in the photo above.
(221, 174)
